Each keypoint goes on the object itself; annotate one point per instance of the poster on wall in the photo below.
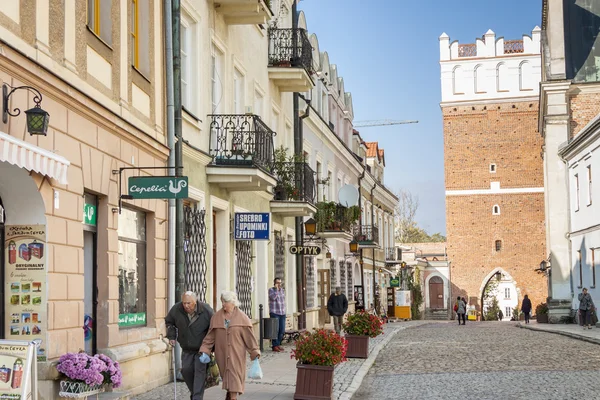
(26, 284)
(16, 359)
(402, 298)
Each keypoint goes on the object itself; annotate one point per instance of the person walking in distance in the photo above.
(585, 306)
(188, 322)
(337, 305)
(464, 301)
(277, 311)
(460, 310)
(526, 308)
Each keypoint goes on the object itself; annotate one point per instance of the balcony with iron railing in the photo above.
(241, 147)
(244, 12)
(393, 254)
(336, 221)
(290, 59)
(295, 190)
(367, 236)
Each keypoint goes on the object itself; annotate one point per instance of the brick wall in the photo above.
(506, 135)
(584, 107)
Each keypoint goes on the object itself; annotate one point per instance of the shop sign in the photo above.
(394, 282)
(132, 319)
(25, 277)
(252, 226)
(89, 214)
(306, 250)
(17, 360)
(158, 187)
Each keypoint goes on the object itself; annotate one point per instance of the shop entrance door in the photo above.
(90, 301)
(324, 293)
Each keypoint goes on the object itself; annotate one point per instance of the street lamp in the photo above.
(353, 246)
(310, 227)
(498, 276)
(37, 118)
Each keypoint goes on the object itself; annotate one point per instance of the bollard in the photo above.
(260, 326)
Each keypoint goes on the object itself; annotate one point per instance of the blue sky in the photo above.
(387, 51)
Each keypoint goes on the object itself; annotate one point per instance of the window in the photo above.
(258, 103)
(132, 267)
(239, 84)
(576, 192)
(319, 177)
(580, 268)
(100, 19)
(498, 245)
(589, 176)
(216, 87)
(502, 78)
(526, 76)
(189, 68)
(496, 210)
(493, 168)
(507, 312)
(140, 36)
(507, 293)
(592, 252)
(479, 79)
(458, 81)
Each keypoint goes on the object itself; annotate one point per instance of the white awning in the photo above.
(33, 158)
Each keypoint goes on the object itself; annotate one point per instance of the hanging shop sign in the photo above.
(25, 284)
(395, 282)
(19, 369)
(158, 187)
(305, 250)
(252, 226)
(89, 214)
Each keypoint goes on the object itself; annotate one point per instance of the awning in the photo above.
(33, 158)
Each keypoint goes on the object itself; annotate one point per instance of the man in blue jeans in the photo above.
(277, 310)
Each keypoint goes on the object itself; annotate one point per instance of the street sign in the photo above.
(158, 187)
(251, 226)
(305, 250)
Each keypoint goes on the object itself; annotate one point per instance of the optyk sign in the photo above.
(158, 187)
(306, 250)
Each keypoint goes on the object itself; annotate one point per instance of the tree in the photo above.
(407, 230)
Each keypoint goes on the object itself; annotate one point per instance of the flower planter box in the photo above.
(313, 382)
(542, 318)
(78, 390)
(358, 346)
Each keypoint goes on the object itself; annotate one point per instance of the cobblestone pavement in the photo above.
(482, 360)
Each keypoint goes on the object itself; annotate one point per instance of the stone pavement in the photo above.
(483, 360)
(279, 374)
(571, 330)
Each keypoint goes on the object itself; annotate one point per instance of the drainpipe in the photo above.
(373, 252)
(179, 254)
(171, 163)
(362, 269)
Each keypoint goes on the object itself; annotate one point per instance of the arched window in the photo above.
(525, 76)
(479, 79)
(498, 245)
(502, 78)
(496, 210)
(458, 80)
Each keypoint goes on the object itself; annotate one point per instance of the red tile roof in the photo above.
(372, 149)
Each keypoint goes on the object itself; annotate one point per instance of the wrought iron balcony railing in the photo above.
(296, 181)
(392, 254)
(332, 217)
(237, 139)
(367, 234)
(290, 48)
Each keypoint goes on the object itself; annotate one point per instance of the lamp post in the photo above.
(37, 118)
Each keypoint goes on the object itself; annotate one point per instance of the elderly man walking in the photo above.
(337, 305)
(188, 322)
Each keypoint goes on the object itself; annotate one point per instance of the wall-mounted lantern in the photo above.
(353, 246)
(37, 118)
(310, 227)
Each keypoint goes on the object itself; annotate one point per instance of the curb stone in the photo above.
(568, 334)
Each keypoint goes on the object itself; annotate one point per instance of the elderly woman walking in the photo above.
(231, 335)
(586, 305)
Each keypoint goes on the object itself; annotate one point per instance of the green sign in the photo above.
(89, 214)
(394, 282)
(132, 319)
(161, 187)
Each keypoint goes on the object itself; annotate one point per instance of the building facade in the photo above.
(493, 167)
(84, 261)
(569, 127)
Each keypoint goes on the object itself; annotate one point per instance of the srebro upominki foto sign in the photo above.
(158, 187)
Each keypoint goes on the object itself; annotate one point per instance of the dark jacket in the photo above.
(337, 304)
(526, 306)
(189, 336)
(585, 301)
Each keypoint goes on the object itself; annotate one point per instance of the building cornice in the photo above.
(490, 101)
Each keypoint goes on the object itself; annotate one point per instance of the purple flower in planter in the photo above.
(96, 370)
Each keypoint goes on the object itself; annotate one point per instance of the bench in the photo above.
(292, 334)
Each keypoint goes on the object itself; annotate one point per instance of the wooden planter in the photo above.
(313, 382)
(358, 346)
(542, 318)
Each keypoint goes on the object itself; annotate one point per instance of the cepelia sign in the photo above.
(158, 187)
(252, 226)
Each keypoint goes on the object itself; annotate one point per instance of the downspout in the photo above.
(171, 163)
(361, 261)
(373, 251)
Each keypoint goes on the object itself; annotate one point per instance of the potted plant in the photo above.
(287, 168)
(317, 354)
(359, 327)
(84, 375)
(541, 313)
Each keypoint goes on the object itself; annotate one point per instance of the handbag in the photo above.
(212, 373)
(455, 307)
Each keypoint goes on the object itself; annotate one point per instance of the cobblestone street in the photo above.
(482, 360)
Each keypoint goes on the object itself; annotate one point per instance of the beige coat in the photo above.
(230, 346)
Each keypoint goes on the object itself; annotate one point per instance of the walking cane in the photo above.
(175, 362)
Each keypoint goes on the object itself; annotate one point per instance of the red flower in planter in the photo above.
(321, 347)
(363, 324)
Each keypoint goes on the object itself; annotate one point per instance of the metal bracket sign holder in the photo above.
(127, 196)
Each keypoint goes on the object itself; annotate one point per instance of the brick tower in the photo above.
(493, 168)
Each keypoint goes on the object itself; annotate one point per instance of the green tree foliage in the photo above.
(416, 295)
(407, 230)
